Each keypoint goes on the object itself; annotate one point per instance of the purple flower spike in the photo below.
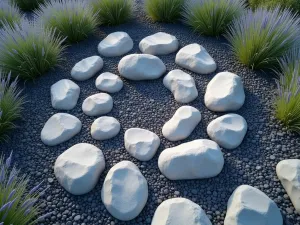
(5, 206)
(41, 218)
(2, 174)
(34, 189)
(8, 160)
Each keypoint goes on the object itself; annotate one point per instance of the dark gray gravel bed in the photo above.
(148, 104)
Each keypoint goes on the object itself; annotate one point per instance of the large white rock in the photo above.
(249, 206)
(104, 128)
(124, 191)
(64, 94)
(79, 168)
(141, 144)
(115, 44)
(182, 85)
(288, 172)
(97, 104)
(141, 67)
(159, 44)
(197, 159)
(59, 128)
(87, 68)
(194, 57)
(182, 124)
(228, 130)
(225, 92)
(109, 82)
(179, 211)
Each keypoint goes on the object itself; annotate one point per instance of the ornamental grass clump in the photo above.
(258, 39)
(28, 5)
(212, 17)
(291, 4)
(168, 11)
(9, 14)
(29, 50)
(112, 12)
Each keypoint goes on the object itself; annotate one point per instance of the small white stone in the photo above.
(159, 44)
(78, 168)
(115, 44)
(87, 68)
(194, 57)
(197, 159)
(124, 191)
(182, 124)
(141, 67)
(228, 130)
(105, 127)
(59, 128)
(225, 92)
(64, 94)
(182, 85)
(179, 211)
(109, 82)
(141, 144)
(97, 104)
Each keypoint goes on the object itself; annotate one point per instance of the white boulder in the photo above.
(249, 206)
(182, 85)
(78, 169)
(225, 92)
(87, 68)
(197, 159)
(194, 57)
(159, 44)
(141, 144)
(179, 211)
(109, 82)
(182, 124)
(97, 104)
(115, 44)
(104, 128)
(141, 67)
(59, 128)
(228, 130)
(288, 172)
(124, 191)
(64, 94)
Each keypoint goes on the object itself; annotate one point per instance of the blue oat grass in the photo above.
(258, 39)
(29, 50)
(9, 13)
(73, 19)
(292, 4)
(289, 64)
(28, 5)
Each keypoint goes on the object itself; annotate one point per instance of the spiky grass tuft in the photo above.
(9, 14)
(292, 4)
(258, 39)
(28, 5)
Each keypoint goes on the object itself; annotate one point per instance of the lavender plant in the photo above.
(9, 13)
(74, 19)
(29, 50)
(28, 5)
(212, 17)
(258, 39)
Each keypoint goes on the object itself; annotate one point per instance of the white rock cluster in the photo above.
(87, 68)
(97, 104)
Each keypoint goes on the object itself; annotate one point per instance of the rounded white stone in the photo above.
(104, 128)
(109, 82)
(87, 68)
(78, 168)
(97, 104)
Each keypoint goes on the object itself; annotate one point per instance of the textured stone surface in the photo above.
(109, 82)
(105, 127)
(97, 104)
(87, 68)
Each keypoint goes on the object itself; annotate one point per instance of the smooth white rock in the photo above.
(87, 68)
(115, 44)
(124, 191)
(182, 85)
(64, 94)
(182, 124)
(141, 67)
(105, 127)
(59, 128)
(97, 104)
(159, 44)
(228, 130)
(141, 144)
(194, 57)
(225, 92)
(179, 211)
(197, 159)
(249, 206)
(288, 172)
(109, 82)
(78, 168)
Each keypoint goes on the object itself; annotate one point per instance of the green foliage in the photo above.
(112, 12)
(292, 4)
(28, 5)
(9, 13)
(168, 11)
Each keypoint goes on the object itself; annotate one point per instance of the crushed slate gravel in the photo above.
(148, 105)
